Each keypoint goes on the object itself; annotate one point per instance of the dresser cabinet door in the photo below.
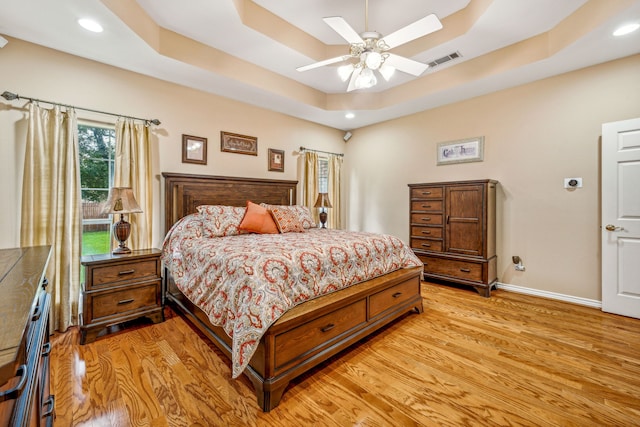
(464, 219)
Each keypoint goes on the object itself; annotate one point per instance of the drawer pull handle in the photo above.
(426, 219)
(465, 270)
(426, 232)
(46, 349)
(13, 393)
(125, 272)
(50, 404)
(126, 301)
(426, 245)
(327, 328)
(426, 206)
(426, 193)
(36, 314)
(397, 294)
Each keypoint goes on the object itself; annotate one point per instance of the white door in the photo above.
(621, 217)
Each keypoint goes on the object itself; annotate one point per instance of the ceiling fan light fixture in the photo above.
(345, 72)
(387, 71)
(373, 60)
(366, 79)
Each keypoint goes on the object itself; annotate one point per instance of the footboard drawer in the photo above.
(393, 296)
(319, 332)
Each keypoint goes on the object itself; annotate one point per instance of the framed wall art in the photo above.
(236, 143)
(276, 160)
(461, 151)
(194, 149)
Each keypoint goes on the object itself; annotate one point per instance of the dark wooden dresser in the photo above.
(25, 399)
(453, 231)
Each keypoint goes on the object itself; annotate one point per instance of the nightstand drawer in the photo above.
(109, 303)
(129, 271)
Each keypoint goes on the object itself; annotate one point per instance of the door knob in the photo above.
(611, 227)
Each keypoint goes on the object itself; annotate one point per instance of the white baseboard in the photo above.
(551, 295)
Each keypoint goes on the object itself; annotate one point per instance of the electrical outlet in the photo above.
(573, 183)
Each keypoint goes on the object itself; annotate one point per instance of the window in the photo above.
(97, 157)
(323, 175)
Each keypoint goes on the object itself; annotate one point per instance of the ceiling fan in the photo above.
(370, 49)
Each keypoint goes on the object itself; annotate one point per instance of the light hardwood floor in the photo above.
(507, 360)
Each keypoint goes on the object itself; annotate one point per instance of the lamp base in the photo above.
(323, 219)
(121, 231)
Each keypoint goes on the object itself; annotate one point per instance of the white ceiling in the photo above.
(218, 24)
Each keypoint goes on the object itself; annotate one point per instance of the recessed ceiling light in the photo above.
(626, 29)
(90, 24)
(349, 115)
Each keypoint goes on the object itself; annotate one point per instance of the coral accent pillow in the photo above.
(286, 219)
(219, 220)
(257, 219)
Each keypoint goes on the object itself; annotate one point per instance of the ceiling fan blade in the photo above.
(323, 63)
(341, 27)
(421, 27)
(406, 65)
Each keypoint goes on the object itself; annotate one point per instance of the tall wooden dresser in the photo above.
(25, 399)
(453, 231)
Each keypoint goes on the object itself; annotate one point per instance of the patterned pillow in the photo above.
(286, 219)
(302, 212)
(221, 221)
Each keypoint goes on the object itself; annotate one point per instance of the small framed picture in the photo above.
(276, 160)
(461, 151)
(194, 149)
(236, 143)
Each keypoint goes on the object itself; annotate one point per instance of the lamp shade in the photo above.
(121, 201)
(323, 201)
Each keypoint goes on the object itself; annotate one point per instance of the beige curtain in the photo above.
(310, 181)
(51, 205)
(335, 194)
(133, 169)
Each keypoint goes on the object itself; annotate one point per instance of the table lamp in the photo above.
(121, 201)
(323, 202)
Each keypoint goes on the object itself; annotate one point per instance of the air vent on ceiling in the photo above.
(444, 59)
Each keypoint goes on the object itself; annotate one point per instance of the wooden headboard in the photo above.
(183, 193)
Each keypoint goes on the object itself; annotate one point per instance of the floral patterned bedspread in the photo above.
(244, 283)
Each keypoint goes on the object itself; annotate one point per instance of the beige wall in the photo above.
(42, 73)
(535, 136)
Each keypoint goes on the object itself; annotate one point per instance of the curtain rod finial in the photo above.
(9, 96)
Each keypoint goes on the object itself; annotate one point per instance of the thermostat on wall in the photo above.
(573, 183)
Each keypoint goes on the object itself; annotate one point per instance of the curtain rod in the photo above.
(11, 96)
(302, 150)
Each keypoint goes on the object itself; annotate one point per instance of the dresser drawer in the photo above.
(430, 232)
(426, 205)
(295, 343)
(393, 296)
(426, 244)
(427, 193)
(454, 268)
(129, 271)
(427, 219)
(109, 303)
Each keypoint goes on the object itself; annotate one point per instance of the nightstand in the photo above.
(119, 288)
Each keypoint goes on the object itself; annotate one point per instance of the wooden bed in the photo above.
(309, 333)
